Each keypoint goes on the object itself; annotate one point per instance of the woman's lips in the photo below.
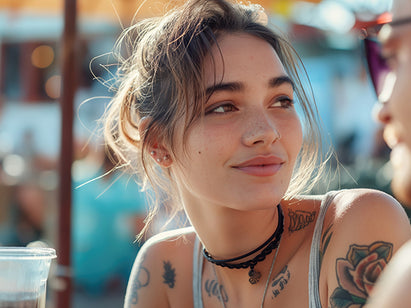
(390, 136)
(261, 170)
(398, 153)
(261, 166)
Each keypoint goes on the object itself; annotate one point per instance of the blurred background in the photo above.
(108, 211)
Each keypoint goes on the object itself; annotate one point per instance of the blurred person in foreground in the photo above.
(389, 60)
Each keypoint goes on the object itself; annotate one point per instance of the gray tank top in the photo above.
(313, 270)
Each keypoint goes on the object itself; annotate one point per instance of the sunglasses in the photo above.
(378, 68)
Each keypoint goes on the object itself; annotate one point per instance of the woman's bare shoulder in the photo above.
(367, 201)
(362, 227)
(167, 243)
(360, 199)
(184, 235)
(175, 245)
(366, 216)
(161, 269)
(354, 212)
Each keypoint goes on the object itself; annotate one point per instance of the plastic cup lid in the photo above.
(27, 253)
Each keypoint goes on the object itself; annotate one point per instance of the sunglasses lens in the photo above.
(377, 66)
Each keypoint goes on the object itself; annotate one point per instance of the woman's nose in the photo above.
(381, 112)
(260, 129)
(382, 109)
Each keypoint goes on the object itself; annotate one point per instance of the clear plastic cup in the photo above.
(23, 276)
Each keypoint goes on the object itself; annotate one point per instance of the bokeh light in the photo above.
(53, 86)
(42, 56)
(14, 165)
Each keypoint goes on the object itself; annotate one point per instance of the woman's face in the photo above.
(241, 154)
(395, 113)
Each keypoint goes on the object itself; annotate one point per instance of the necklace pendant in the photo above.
(254, 276)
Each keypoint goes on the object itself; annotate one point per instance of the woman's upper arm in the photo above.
(367, 228)
(144, 288)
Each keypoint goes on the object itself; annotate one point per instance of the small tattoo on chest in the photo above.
(280, 281)
(169, 275)
(300, 219)
(213, 288)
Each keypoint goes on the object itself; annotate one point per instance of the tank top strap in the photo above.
(314, 265)
(197, 274)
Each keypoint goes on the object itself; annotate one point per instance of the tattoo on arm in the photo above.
(142, 279)
(325, 240)
(300, 219)
(169, 274)
(280, 281)
(213, 288)
(358, 272)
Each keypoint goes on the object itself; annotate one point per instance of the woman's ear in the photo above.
(157, 151)
(161, 156)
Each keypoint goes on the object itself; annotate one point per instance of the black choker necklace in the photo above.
(267, 247)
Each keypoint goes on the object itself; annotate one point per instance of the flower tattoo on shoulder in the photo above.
(358, 272)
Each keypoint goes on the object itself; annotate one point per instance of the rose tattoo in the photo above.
(358, 272)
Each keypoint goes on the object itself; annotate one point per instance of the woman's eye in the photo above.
(283, 102)
(389, 57)
(391, 61)
(221, 109)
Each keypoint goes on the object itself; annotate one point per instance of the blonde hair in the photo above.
(162, 79)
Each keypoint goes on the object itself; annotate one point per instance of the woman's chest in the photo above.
(289, 287)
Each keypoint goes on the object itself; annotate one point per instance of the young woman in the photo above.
(206, 112)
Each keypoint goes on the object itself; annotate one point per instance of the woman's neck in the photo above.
(228, 233)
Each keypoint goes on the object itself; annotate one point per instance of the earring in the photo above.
(165, 159)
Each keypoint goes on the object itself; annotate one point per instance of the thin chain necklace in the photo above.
(266, 283)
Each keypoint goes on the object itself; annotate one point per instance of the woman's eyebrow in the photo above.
(226, 86)
(278, 81)
(236, 86)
